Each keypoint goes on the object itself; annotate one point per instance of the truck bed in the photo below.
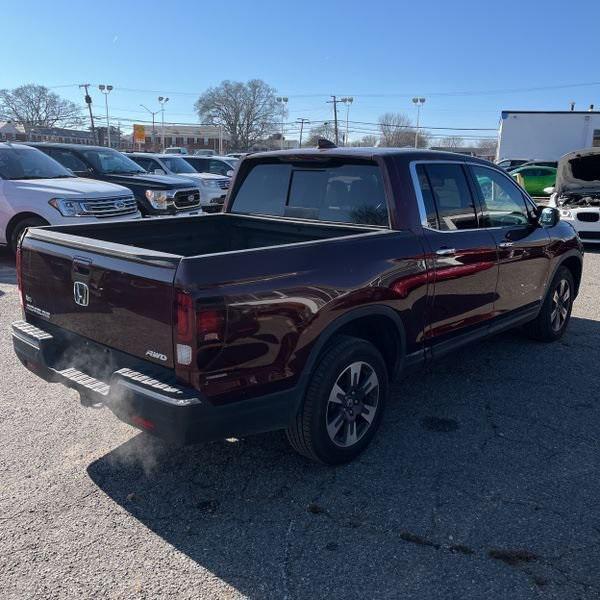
(207, 234)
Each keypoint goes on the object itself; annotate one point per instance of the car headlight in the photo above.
(210, 183)
(67, 208)
(566, 214)
(158, 199)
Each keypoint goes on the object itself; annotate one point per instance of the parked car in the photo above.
(538, 163)
(238, 155)
(213, 188)
(35, 190)
(175, 150)
(577, 192)
(330, 274)
(155, 194)
(534, 179)
(204, 152)
(217, 165)
(512, 163)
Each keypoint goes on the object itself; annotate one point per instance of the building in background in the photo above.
(546, 134)
(10, 131)
(192, 137)
(61, 135)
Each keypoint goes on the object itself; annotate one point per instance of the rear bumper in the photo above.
(147, 397)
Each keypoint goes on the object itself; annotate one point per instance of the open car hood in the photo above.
(579, 171)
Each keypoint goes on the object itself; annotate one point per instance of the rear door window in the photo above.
(68, 159)
(346, 193)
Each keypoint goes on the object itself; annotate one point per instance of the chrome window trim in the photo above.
(421, 202)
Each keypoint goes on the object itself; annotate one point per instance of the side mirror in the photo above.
(159, 172)
(549, 216)
(549, 190)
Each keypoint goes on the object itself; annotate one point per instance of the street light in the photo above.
(418, 102)
(153, 113)
(283, 101)
(106, 90)
(162, 101)
(347, 101)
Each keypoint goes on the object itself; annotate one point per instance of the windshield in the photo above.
(109, 161)
(177, 164)
(29, 163)
(346, 193)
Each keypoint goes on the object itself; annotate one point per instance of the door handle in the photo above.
(506, 244)
(446, 252)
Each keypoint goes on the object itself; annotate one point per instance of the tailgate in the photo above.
(124, 302)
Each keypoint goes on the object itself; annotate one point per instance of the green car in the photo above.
(534, 179)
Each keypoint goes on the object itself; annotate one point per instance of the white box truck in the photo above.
(546, 135)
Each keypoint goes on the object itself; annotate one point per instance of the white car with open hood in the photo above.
(36, 190)
(577, 192)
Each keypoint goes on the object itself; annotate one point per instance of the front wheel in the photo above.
(344, 402)
(554, 316)
(20, 227)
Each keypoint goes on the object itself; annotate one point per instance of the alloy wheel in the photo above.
(561, 303)
(352, 404)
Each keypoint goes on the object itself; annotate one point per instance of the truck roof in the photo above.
(367, 153)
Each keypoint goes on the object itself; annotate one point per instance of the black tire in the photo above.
(20, 227)
(545, 327)
(308, 433)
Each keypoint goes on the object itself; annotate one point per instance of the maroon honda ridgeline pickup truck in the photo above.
(329, 273)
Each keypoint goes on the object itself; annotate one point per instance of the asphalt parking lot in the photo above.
(483, 483)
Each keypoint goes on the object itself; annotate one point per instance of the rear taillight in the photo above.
(19, 275)
(197, 328)
(184, 327)
(210, 325)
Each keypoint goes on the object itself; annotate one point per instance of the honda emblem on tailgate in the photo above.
(81, 293)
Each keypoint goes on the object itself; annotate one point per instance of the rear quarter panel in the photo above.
(280, 300)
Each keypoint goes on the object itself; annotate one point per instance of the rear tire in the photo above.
(554, 316)
(344, 402)
(20, 227)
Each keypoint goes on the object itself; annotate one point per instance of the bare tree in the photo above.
(451, 141)
(246, 111)
(36, 106)
(398, 131)
(366, 140)
(325, 130)
(490, 146)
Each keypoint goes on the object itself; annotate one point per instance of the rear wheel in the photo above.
(344, 402)
(20, 227)
(553, 318)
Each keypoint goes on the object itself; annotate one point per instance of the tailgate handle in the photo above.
(81, 266)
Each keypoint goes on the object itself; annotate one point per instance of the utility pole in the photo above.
(88, 101)
(283, 100)
(302, 120)
(162, 101)
(335, 101)
(106, 90)
(221, 140)
(153, 113)
(418, 102)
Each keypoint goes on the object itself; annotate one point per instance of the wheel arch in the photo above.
(378, 324)
(575, 266)
(15, 219)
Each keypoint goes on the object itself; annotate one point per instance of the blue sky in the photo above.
(381, 52)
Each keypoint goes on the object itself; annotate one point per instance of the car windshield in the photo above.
(347, 193)
(110, 161)
(177, 164)
(29, 163)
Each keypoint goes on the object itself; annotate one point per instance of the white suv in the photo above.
(36, 190)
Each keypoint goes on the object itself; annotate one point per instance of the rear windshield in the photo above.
(345, 193)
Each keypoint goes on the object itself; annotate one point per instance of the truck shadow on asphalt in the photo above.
(485, 470)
